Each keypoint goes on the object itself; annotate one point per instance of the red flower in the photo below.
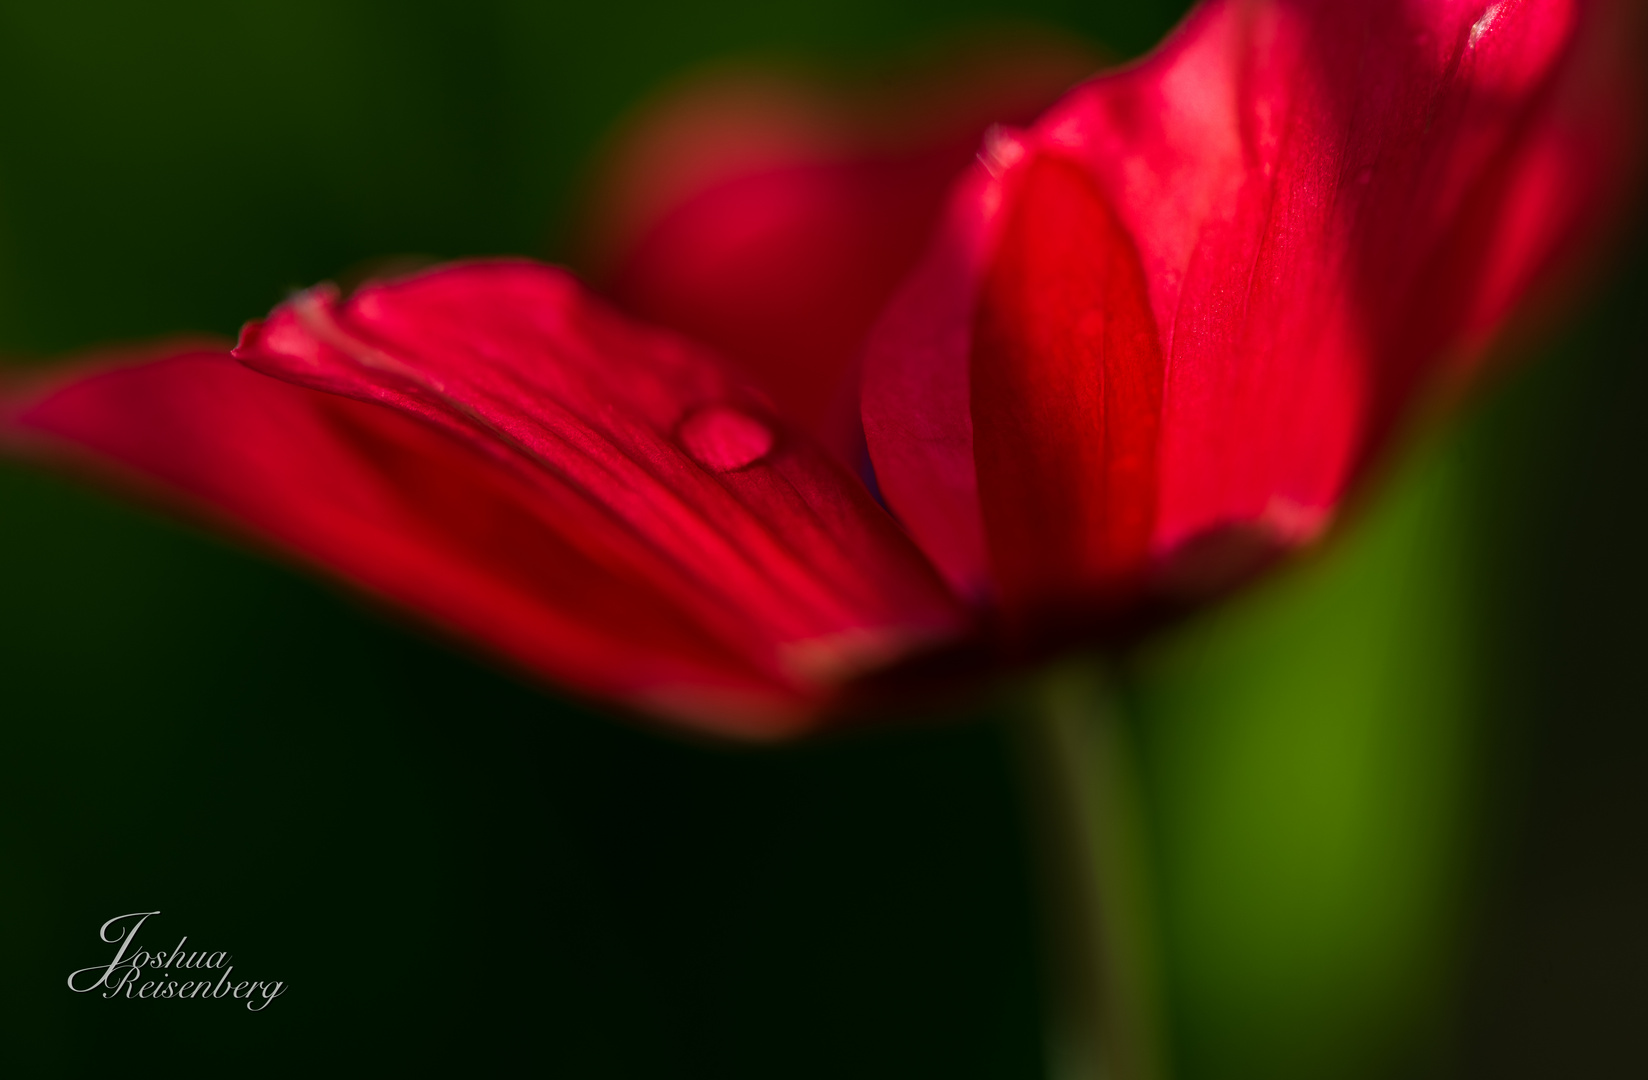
(1183, 307)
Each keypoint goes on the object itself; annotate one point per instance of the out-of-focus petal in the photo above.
(488, 446)
(1329, 204)
(771, 215)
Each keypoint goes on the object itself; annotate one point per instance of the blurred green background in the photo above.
(1395, 796)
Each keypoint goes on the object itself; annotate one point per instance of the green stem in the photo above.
(1086, 828)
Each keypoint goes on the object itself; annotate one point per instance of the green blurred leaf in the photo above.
(1307, 749)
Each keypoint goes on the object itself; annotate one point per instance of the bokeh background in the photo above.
(1396, 797)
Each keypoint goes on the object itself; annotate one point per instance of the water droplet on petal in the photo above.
(724, 438)
(1365, 176)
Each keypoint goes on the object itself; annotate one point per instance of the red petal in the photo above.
(1327, 200)
(772, 218)
(528, 486)
(1067, 373)
(1555, 187)
(917, 396)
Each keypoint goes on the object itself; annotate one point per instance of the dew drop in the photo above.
(1365, 176)
(724, 438)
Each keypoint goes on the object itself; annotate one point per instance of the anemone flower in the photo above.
(1154, 340)
(1157, 335)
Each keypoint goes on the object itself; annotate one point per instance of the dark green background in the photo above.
(1395, 795)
